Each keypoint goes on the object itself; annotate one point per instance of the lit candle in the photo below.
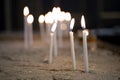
(67, 20)
(51, 42)
(59, 30)
(72, 43)
(25, 12)
(55, 44)
(55, 13)
(48, 22)
(63, 26)
(85, 51)
(41, 25)
(30, 20)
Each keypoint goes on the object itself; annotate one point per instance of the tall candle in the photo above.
(25, 12)
(55, 15)
(51, 42)
(51, 47)
(72, 43)
(59, 29)
(41, 26)
(30, 20)
(55, 44)
(85, 50)
(67, 20)
(48, 22)
(60, 37)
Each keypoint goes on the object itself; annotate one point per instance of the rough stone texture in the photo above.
(17, 63)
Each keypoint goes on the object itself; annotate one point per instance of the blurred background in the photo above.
(103, 16)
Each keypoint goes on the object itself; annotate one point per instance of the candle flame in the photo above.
(41, 19)
(83, 22)
(54, 27)
(55, 13)
(48, 18)
(67, 16)
(72, 23)
(62, 16)
(30, 19)
(26, 11)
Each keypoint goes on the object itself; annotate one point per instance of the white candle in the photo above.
(55, 15)
(59, 29)
(30, 20)
(48, 22)
(51, 42)
(61, 19)
(85, 51)
(67, 20)
(55, 44)
(25, 12)
(72, 43)
(41, 26)
(51, 48)
(60, 37)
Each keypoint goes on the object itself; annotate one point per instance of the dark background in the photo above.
(98, 13)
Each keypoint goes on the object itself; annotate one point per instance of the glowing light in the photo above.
(83, 22)
(58, 9)
(61, 16)
(30, 19)
(55, 13)
(54, 9)
(54, 27)
(68, 16)
(72, 23)
(63, 26)
(86, 32)
(41, 19)
(48, 18)
(26, 11)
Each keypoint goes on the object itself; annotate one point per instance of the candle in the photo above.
(30, 20)
(55, 12)
(72, 43)
(25, 12)
(67, 20)
(51, 42)
(41, 25)
(59, 29)
(55, 44)
(85, 51)
(48, 22)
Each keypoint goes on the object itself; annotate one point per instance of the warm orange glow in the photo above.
(54, 27)
(72, 23)
(26, 11)
(83, 22)
(41, 19)
(63, 26)
(30, 19)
